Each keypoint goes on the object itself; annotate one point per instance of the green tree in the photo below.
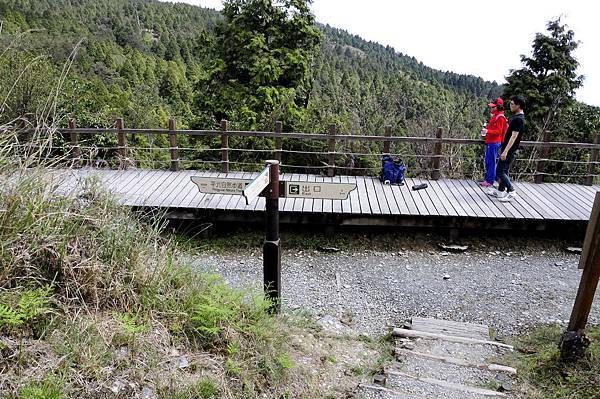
(548, 79)
(264, 51)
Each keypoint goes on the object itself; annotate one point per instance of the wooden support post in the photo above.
(386, 144)
(594, 156)
(278, 140)
(437, 154)
(75, 150)
(272, 245)
(122, 140)
(541, 164)
(574, 342)
(173, 145)
(224, 147)
(331, 149)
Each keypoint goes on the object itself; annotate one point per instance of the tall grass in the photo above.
(94, 260)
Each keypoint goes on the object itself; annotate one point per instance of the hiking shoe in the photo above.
(492, 192)
(486, 184)
(508, 197)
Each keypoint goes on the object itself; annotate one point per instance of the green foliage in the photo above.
(49, 388)
(543, 375)
(29, 305)
(548, 79)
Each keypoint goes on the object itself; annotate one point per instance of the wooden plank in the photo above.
(390, 199)
(461, 199)
(289, 202)
(365, 207)
(327, 204)
(136, 191)
(431, 192)
(318, 203)
(372, 197)
(448, 327)
(449, 193)
(431, 209)
(155, 191)
(354, 197)
(442, 199)
(407, 198)
(523, 206)
(422, 209)
(570, 209)
(299, 203)
(487, 393)
(541, 200)
(307, 206)
(571, 197)
(456, 361)
(131, 183)
(466, 192)
(346, 204)
(337, 204)
(401, 332)
(381, 199)
(489, 204)
(397, 196)
(181, 185)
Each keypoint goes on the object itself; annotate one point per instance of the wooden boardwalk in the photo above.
(445, 202)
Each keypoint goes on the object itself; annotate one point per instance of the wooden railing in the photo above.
(332, 138)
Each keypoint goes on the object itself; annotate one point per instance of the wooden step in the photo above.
(436, 388)
(369, 391)
(454, 328)
(402, 332)
(456, 361)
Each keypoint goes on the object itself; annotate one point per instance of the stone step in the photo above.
(436, 388)
(369, 391)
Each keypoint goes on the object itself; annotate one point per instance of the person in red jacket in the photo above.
(494, 135)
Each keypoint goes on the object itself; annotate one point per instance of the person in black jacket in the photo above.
(509, 150)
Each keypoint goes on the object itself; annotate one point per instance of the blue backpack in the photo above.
(392, 171)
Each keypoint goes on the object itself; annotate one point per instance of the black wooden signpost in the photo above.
(267, 184)
(574, 342)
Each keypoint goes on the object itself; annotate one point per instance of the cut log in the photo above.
(401, 332)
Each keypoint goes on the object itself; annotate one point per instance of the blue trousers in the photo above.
(491, 157)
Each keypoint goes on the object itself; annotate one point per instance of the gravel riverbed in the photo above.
(371, 290)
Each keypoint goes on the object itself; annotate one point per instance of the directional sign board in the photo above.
(257, 185)
(213, 185)
(289, 189)
(305, 189)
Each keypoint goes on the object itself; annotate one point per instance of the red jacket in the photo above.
(496, 128)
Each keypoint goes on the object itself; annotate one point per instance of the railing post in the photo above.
(331, 159)
(386, 144)
(272, 243)
(278, 140)
(589, 179)
(173, 145)
(437, 154)
(224, 147)
(122, 151)
(541, 164)
(574, 342)
(75, 150)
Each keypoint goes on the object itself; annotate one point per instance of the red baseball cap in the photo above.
(499, 101)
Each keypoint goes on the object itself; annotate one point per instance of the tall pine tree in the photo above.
(548, 79)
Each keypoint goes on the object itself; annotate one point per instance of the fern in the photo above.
(9, 317)
(31, 304)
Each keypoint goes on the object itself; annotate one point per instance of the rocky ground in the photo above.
(509, 286)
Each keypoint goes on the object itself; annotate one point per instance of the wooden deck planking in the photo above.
(443, 198)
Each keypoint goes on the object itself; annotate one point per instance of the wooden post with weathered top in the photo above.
(122, 140)
(224, 146)
(278, 140)
(173, 144)
(386, 144)
(574, 342)
(541, 163)
(75, 150)
(589, 179)
(331, 149)
(437, 154)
